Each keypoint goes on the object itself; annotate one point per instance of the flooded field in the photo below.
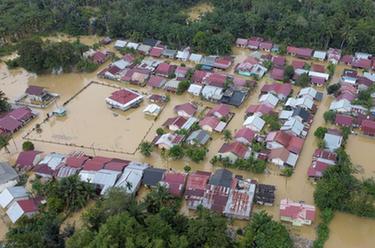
(90, 123)
(360, 149)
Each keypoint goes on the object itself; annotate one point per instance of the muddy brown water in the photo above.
(90, 122)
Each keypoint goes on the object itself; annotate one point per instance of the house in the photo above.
(279, 139)
(317, 168)
(310, 92)
(174, 182)
(259, 109)
(254, 123)
(302, 114)
(199, 77)
(105, 179)
(320, 55)
(269, 99)
(8, 176)
(12, 194)
(233, 151)
(195, 187)
(265, 194)
(266, 46)
(216, 79)
(317, 81)
(361, 63)
(91, 167)
(211, 123)
(130, 180)
(341, 106)
(175, 123)
(181, 71)
(144, 49)
(36, 93)
(72, 165)
(303, 53)
(368, 127)
(155, 98)
(282, 157)
(347, 59)
(240, 200)
(254, 42)
(119, 44)
(49, 165)
(234, 97)
(295, 126)
(152, 109)
(184, 54)
(172, 85)
(240, 42)
(195, 89)
(165, 69)
(106, 40)
(24, 207)
(296, 212)
(156, 81)
(223, 62)
(333, 139)
(245, 136)
(124, 99)
(212, 93)
(303, 102)
(152, 176)
(221, 177)
(344, 120)
(298, 64)
(151, 42)
(169, 53)
(220, 111)
(318, 68)
(278, 61)
(195, 58)
(26, 160)
(116, 165)
(168, 140)
(282, 91)
(251, 67)
(132, 45)
(156, 52)
(277, 74)
(198, 137)
(99, 57)
(186, 109)
(334, 55)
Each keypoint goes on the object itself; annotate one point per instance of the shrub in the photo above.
(27, 146)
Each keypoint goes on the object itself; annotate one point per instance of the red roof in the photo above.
(347, 59)
(156, 81)
(199, 76)
(178, 121)
(76, 161)
(29, 205)
(116, 165)
(241, 42)
(156, 51)
(26, 158)
(320, 153)
(216, 79)
(165, 69)
(35, 90)
(259, 108)
(344, 120)
(196, 183)
(188, 108)
(362, 63)
(298, 64)
(277, 88)
(368, 127)
(236, 148)
(43, 169)
(300, 52)
(96, 163)
(21, 114)
(9, 124)
(295, 145)
(245, 133)
(113, 70)
(98, 57)
(277, 74)
(279, 60)
(318, 80)
(220, 110)
(295, 210)
(182, 70)
(175, 182)
(266, 45)
(123, 96)
(254, 44)
(210, 121)
(279, 153)
(317, 168)
(223, 62)
(318, 68)
(364, 81)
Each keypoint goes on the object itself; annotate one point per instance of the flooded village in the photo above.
(90, 127)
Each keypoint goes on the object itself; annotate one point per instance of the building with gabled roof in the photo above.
(297, 213)
(174, 182)
(195, 187)
(124, 99)
(234, 151)
(19, 208)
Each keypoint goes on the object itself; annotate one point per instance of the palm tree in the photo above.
(146, 148)
(227, 135)
(4, 142)
(4, 105)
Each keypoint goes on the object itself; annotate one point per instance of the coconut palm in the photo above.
(146, 148)
(227, 135)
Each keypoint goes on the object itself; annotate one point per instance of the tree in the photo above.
(320, 132)
(227, 135)
(183, 86)
(287, 171)
(333, 88)
(4, 142)
(28, 146)
(303, 80)
(146, 148)
(272, 122)
(4, 105)
(331, 69)
(160, 131)
(176, 152)
(266, 233)
(329, 116)
(196, 154)
(288, 73)
(187, 169)
(31, 55)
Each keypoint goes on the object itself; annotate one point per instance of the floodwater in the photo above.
(90, 123)
(362, 158)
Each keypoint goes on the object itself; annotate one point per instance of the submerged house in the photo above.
(124, 99)
(297, 213)
(195, 187)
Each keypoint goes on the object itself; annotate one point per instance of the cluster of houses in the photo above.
(15, 200)
(348, 112)
(15, 119)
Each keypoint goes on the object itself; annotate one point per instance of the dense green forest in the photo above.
(347, 24)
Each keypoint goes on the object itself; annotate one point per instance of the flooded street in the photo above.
(91, 124)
